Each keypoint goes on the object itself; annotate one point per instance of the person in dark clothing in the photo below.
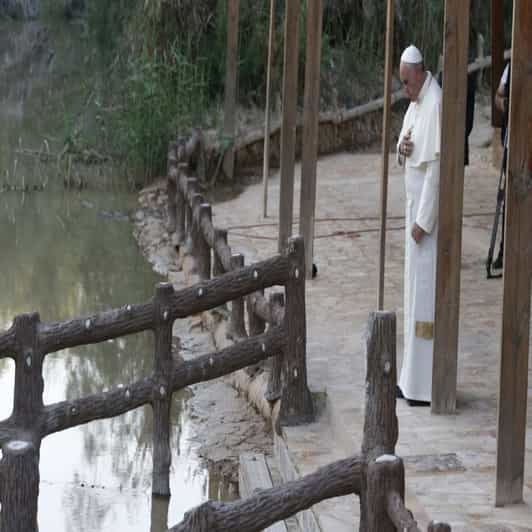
(470, 109)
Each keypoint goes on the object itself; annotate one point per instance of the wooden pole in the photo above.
(296, 402)
(288, 124)
(386, 122)
(444, 371)
(162, 456)
(310, 130)
(267, 113)
(497, 57)
(231, 72)
(513, 385)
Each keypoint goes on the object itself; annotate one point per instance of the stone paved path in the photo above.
(450, 460)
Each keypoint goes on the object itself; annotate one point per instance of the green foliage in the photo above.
(163, 95)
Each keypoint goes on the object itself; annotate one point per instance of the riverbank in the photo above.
(223, 422)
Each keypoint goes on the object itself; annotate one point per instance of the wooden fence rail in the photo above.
(376, 476)
(190, 223)
(29, 340)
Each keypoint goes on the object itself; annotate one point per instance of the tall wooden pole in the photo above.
(231, 72)
(289, 121)
(267, 113)
(513, 384)
(385, 145)
(310, 130)
(497, 56)
(444, 372)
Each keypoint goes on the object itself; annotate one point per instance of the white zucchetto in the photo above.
(411, 55)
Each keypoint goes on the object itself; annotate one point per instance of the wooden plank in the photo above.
(253, 474)
(386, 124)
(497, 52)
(267, 112)
(447, 314)
(231, 71)
(310, 130)
(513, 384)
(289, 121)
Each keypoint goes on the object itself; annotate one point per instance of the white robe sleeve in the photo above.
(427, 213)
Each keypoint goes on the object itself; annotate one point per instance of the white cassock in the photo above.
(422, 181)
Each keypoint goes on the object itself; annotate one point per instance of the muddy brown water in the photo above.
(68, 253)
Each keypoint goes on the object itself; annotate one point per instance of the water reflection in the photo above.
(66, 254)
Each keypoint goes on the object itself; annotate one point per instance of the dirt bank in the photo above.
(223, 422)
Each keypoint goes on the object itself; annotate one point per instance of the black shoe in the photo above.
(497, 264)
(399, 393)
(414, 402)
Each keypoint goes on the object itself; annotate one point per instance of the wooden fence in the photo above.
(28, 341)
(376, 475)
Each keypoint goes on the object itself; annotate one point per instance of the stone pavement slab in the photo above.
(450, 460)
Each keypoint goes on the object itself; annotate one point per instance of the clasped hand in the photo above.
(406, 147)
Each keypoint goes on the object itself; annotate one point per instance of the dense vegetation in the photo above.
(169, 56)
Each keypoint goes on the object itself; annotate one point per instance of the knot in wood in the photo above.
(386, 459)
(165, 315)
(387, 367)
(88, 324)
(128, 393)
(295, 373)
(255, 274)
(263, 347)
(296, 273)
(74, 411)
(128, 308)
(18, 446)
(28, 359)
(200, 292)
(162, 391)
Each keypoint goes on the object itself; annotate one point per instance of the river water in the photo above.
(66, 253)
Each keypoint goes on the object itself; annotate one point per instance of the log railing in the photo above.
(190, 223)
(376, 476)
(28, 341)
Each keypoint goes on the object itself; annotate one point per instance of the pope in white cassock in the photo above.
(418, 150)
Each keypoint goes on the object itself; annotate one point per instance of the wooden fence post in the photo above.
(19, 470)
(162, 399)
(195, 229)
(180, 206)
(237, 327)
(29, 384)
(217, 266)
(385, 475)
(296, 401)
(256, 326)
(203, 250)
(273, 391)
(380, 420)
(191, 188)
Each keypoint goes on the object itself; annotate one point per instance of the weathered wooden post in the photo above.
(237, 327)
(217, 266)
(231, 76)
(19, 475)
(203, 250)
(172, 186)
(515, 338)
(296, 401)
(195, 229)
(256, 326)
(289, 121)
(273, 392)
(190, 189)
(385, 491)
(162, 398)
(180, 205)
(380, 421)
